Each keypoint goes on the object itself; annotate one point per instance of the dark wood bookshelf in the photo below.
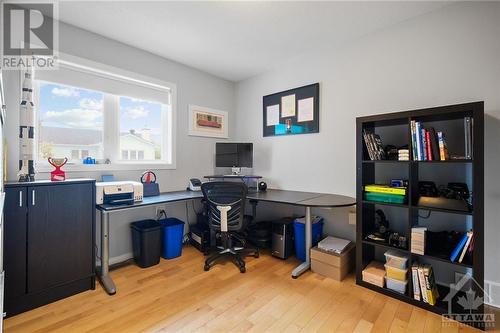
(397, 124)
(443, 210)
(385, 245)
(385, 203)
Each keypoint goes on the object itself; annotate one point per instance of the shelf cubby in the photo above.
(394, 129)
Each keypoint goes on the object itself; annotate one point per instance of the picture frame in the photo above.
(207, 122)
(291, 112)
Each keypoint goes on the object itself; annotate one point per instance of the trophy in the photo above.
(57, 174)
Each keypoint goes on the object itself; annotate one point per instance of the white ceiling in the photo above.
(236, 40)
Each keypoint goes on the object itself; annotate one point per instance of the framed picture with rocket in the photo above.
(207, 122)
(294, 111)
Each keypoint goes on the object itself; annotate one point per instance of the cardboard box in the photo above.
(374, 273)
(332, 265)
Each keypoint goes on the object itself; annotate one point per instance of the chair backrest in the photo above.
(232, 194)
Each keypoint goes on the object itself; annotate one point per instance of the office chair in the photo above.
(226, 216)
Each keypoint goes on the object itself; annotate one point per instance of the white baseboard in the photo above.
(121, 258)
(492, 291)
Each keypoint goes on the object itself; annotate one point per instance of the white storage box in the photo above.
(396, 259)
(399, 286)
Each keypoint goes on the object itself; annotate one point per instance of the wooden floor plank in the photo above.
(179, 296)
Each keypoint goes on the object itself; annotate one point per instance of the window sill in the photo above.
(107, 167)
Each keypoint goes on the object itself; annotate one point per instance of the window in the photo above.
(70, 122)
(141, 129)
(85, 112)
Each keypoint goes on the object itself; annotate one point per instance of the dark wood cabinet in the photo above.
(15, 213)
(49, 242)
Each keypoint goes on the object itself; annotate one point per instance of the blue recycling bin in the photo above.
(172, 234)
(300, 235)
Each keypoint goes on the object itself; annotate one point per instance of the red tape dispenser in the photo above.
(58, 174)
(150, 186)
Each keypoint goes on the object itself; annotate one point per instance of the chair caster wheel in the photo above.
(206, 268)
(243, 269)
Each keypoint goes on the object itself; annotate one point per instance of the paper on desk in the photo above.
(273, 115)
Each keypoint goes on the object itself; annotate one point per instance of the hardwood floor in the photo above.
(178, 296)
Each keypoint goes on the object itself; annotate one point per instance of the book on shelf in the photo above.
(424, 283)
(424, 144)
(456, 251)
(434, 144)
(385, 189)
(413, 140)
(443, 148)
(368, 145)
(470, 235)
(421, 283)
(429, 143)
(418, 238)
(416, 285)
(374, 146)
(430, 285)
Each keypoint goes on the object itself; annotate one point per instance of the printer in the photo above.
(118, 192)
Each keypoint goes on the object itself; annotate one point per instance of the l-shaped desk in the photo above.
(307, 200)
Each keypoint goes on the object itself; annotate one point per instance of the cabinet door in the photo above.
(15, 214)
(60, 238)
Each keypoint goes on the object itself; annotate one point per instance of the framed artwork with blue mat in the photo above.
(290, 112)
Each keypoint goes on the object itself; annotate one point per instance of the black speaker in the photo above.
(262, 186)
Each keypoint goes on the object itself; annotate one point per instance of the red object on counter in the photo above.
(58, 174)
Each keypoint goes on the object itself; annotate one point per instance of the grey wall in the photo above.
(195, 156)
(445, 57)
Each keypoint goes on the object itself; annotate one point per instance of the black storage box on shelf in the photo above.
(146, 242)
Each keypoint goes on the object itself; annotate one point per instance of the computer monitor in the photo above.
(233, 155)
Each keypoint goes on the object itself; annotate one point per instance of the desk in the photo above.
(307, 200)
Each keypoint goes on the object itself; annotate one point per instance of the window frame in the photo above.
(111, 120)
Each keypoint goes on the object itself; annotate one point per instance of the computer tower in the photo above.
(282, 238)
(200, 234)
